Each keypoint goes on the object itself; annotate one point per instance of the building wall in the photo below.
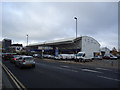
(6, 43)
(70, 46)
(90, 46)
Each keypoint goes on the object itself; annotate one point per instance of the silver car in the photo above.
(25, 61)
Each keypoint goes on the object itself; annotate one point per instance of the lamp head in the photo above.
(75, 18)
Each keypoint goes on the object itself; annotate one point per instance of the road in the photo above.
(48, 74)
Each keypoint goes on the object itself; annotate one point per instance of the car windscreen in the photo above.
(81, 54)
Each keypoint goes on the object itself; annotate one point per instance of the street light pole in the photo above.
(76, 36)
(76, 26)
(27, 39)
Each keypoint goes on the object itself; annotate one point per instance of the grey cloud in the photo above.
(47, 21)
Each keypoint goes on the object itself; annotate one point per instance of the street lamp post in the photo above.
(76, 36)
(27, 39)
(76, 26)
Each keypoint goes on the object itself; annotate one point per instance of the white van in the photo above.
(82, 56)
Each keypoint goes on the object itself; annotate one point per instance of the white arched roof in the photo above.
(67, 40)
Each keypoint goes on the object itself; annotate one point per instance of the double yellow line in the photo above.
(18, 84)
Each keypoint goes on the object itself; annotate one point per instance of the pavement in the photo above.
(6, 82)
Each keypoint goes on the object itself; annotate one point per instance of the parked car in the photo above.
(25, 61)
(118, 56)
(70, 56)
(65, 56)
(45, 55)
(37, 55)
(14, 58)
(112, 57)
(59, 57)
(51, 56)
(106, 57)
(97, 58)
(48, 56)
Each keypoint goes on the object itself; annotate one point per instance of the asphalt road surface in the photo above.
(48, 74)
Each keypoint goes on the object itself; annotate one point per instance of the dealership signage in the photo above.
(45, 48)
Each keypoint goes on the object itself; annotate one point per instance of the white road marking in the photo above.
(66, 69)
(59, 67)
(64, 66)
(15, 80)
(104, 69)
(107, 70)
(109, 78)
(91, 70)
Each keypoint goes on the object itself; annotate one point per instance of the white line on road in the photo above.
(15, 80)
(107, 70)
(64, 66)
(66, 69)
(91, 70)
(109, 78)
(59, 67)
(104, 69)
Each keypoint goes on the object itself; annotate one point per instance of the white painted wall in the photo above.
(89, 46)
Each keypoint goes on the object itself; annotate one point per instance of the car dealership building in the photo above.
(66, 46)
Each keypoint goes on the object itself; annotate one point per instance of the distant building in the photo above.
(105, 51)
(16, 47)
(6, 43)
(119, 48)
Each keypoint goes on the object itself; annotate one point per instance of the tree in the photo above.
(114, 51)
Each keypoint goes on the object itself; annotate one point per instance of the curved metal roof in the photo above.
(61, 41)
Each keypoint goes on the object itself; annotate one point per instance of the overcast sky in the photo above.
(51, 21)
